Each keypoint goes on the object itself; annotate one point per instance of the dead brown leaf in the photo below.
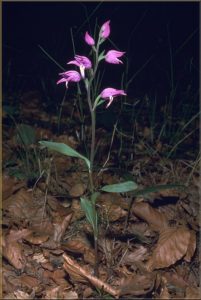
(10, 185)
(22, 295)
(60, 227)
(112, 207)
(137, 285)
(77, 190)
(83, 274)
(193, 293)
(136, 255)
(12, 250)
(152, 216)
(172, 245)
(164, 294)
(22, 206)
(175, 279)
(37, 239)
(29, 281)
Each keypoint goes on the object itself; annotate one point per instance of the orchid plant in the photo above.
(87, 72)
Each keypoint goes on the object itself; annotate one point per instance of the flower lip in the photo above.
(105, 30)
(112, 57)
(89, 40)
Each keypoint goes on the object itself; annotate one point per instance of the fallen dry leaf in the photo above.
(37, 239)
(152, 216)
(191, 247)
(136, 255)
(22, 295)
(13, 250)
(77, 190)
(84, 275)
(60, 228)
(172, 245)
(193, 292)
(10, 185)
(137, 285)
(29, 281)
(111, 206)
(164, 294)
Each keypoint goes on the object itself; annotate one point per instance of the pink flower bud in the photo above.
(89, 40)
(105, 30)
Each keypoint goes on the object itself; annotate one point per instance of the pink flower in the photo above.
(89, 40)
(82, 62)
(112, 57)
(110, 93)
(68, 76)
(105, 30)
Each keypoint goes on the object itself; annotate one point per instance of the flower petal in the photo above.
(112, 57)
(111, 92)
(73, 76)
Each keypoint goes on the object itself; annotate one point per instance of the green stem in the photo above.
(93, 136)
(96, 273)
(92, 109)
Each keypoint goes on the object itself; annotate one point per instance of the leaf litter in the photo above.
(151, 251)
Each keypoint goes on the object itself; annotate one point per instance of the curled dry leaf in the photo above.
(22, 295)
(136, 255)
(14, 254)
(59, 278)
(52, 293)
(13, 250)
(137, 285)
(77, 190)
(173, 244)
(39, 257)
(151, 215)
(29, 281)
(175, 279)
(191, 247)
(60, 228)
(193, 293)
(22, 206)
(9, 186)
(164, 294)
(84, 275)
(112, 207)
(80, 245)
(37, 239)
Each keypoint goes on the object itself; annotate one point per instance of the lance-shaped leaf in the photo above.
(122, 187)
(91, 214)
(156, 188)
(64, 149)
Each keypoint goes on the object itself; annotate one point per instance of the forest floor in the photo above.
(148, 245)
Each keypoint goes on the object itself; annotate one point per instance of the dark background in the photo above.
(142, 29)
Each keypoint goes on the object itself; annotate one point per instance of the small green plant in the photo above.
(88, 75)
